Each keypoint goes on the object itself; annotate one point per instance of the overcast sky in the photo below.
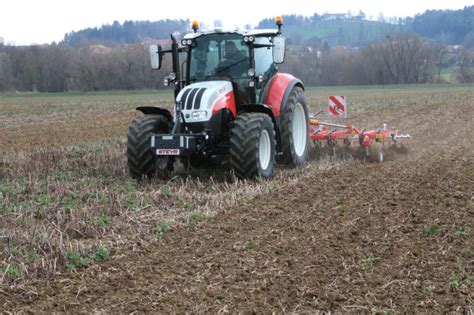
(44, 21)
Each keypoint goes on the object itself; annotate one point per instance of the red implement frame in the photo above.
(323, 132)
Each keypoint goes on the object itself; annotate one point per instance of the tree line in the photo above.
(442, 26)
(400, 58)
(116, 34)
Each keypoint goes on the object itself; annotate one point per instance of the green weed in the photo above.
(429, 231)
(161, 229)
(454, 283)
(343, 210)
(369, 262)
(429, 289)
(462, 231)
(102, 221)
(76, 261)
(100, 254)
(166, 191)
(250, 245)
(12, 271)
(196, 217)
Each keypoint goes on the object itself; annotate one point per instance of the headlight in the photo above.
(251, 83)
(249, 39)
(189, 42)
(199, 115)
(251, 73)
(166, 82)
(172, 76)
(183, 42)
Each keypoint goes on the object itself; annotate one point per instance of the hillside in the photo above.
(442, 26)
(346, 32)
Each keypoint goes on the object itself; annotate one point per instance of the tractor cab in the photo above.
(244, 59)
(226, 87)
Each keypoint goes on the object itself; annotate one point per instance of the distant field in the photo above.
(340, 233)
(47, 120)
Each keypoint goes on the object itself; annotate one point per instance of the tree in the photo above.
(406, 58)
(6, 76)
(469, 40)
(466, 66)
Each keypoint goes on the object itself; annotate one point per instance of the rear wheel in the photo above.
(252, 146)
(295, 129)
(141, 161)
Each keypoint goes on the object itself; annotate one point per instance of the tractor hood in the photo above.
(200, 100)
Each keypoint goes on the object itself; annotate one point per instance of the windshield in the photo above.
(217, 56)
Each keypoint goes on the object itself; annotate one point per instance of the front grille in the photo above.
(190, 100)
(197, 103)
(185, 95)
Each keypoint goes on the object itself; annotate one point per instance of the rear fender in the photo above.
(278, 90)
(150, 110)
(265, 109)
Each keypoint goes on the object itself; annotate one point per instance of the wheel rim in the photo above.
(299, 130)
(264, 150)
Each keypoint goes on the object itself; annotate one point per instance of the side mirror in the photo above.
(155, 56)
(279, 49)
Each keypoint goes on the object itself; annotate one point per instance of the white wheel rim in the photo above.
(264, 149)
(300, 135)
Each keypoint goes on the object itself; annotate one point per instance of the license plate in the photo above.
(167, 151)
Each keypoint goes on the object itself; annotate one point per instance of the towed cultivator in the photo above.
(372, 142)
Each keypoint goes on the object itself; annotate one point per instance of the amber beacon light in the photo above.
(195, 26)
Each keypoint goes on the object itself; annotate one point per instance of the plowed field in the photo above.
(340, 234)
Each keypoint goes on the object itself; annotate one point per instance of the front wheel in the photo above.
(252, 146)
(294, 127)
(141, 161)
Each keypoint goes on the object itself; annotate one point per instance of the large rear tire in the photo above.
(294, 128)
(252, 146)
(141, 161)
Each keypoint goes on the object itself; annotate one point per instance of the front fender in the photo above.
(151, 110)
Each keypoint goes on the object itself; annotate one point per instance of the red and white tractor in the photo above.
(230, 100)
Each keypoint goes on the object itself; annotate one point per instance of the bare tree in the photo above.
(466, 66)
(407, 58)
(6, 76)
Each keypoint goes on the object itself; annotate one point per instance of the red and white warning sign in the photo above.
(337, 106)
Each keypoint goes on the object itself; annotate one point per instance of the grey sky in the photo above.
(44, 21)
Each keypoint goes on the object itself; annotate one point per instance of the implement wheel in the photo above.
(376, 152)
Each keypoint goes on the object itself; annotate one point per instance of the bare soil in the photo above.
(356, 237)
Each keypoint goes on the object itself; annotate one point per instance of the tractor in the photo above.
(230, 103)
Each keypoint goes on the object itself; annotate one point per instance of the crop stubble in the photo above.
(338, 234)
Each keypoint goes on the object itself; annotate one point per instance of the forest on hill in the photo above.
(443, 26)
